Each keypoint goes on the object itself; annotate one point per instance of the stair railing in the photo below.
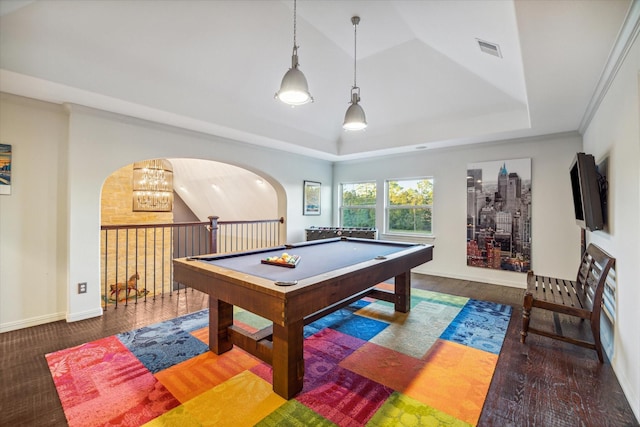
(136, 259)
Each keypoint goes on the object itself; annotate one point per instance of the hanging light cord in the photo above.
(355, 20)
(295, 47)
(355, 44)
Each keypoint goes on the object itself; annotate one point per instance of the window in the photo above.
(409, 206)
(358, 207)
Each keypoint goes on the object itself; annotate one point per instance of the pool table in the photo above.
(330, 274)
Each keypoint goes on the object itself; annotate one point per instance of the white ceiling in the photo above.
(214, 66)
(230, 192)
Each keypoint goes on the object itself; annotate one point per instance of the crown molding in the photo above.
(626, 37)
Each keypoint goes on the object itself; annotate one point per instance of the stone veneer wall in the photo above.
(148, 256)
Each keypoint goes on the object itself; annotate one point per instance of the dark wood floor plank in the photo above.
(550, 383)
(541, 383)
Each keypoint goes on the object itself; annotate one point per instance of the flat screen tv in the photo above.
(586, 188)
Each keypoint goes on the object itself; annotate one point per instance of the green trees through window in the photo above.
(409, 206)
(358, 205)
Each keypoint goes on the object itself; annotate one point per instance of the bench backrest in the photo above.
(592, 275)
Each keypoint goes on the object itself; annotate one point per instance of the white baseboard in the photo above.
(74, 317)
(33, 321)
(628, 389)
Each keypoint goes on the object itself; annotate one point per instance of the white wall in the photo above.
(69, 177)
(104, 142)
(33, 217)
(614, 134)
(556, 237)
(57, 188)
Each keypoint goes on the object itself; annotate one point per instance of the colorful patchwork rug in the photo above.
(364, 365)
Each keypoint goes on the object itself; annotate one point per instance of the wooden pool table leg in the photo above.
(288, 359)
(220, 318)
(403, 292)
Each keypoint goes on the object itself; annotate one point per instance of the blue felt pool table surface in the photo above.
(316, 258)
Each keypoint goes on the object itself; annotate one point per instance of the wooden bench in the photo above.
(580, 298)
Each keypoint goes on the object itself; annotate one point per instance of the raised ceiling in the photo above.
(214, 66)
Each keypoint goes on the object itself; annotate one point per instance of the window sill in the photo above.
(411, 238)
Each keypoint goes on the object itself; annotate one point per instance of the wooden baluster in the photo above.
(213, 233)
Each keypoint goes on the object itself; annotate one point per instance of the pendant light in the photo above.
(294, 89)
(355, 119)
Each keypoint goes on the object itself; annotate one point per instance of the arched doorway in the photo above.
(138, 244)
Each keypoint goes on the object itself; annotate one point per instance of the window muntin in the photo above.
(409, 206)
(358, 204)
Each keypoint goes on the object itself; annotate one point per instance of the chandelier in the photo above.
(153, 186)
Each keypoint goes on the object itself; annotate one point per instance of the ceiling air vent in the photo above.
(490, 48)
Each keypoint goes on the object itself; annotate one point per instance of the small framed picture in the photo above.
(5, 169)
(311, 198)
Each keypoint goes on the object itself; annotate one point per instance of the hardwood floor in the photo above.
(542, 383)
